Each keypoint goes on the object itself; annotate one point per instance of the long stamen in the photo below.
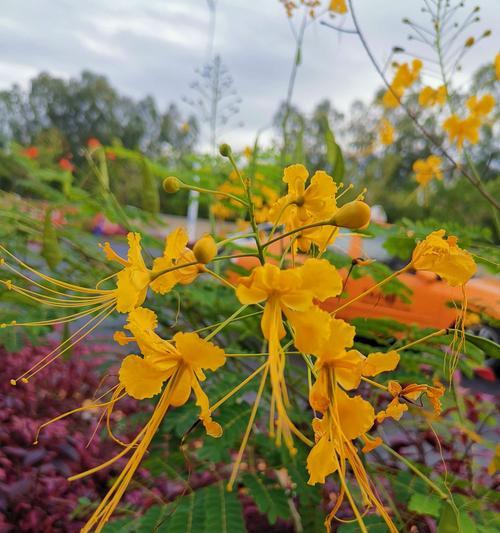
(50, 279)
(246, 435)
(49, 358)
(113, 497)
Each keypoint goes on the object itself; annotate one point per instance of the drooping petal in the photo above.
(135, 250)
(140, 379)
(197, 352)
(379, 362)
(212, 428)
(181, 388)
(321, 461)
(318, 395)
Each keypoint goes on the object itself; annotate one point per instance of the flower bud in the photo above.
(205, 249)
(171, 184)
(353, 215)
(225, 150)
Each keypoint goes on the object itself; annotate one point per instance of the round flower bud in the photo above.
(171, 184)
(225, 150)
(205, 249)
(353, 215)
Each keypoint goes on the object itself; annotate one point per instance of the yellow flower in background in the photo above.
(482, 106)
(386, 132)
(404, 78)
(175, 254)
(445, 258)
(410, 393)
(427, 169)
(497, 66)
(186, 357)
(392, 96)
(460, 130)
(429, 97)
(306, 205)
(338, 6)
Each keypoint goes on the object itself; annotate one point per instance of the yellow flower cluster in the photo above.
(427, 169)
(404, 78)
(467, 129)
(288, 297)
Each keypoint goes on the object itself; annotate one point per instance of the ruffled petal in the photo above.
(356, 415)
(175, 243)
(311, 328)
(379, 362)
(348, 367)
(320, 278)
(140, 379)
(197, 352)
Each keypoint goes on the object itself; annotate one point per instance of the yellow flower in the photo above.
(444, 258)
(403, 79)
(133, 280)
(293, 293)
(344, 419)
(426, 169)
(348, 366)
(410, 393)
(393, 96)
(482, 106)
(386, 132)
(175, 254)
(338, 6)
(306, 205)
(460, 130)
(497, 66)
(429, 97)
(180, 363)
(186, 357)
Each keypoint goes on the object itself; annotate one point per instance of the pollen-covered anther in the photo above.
(353, 215)
(13, 382)
(171, 184)
(205, 249)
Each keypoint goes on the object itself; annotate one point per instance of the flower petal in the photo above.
(311, 328)
(140, 379)
(182, 386)
(356, 415)
(321, 461)
(197, 352)
(320, 278)
(379, 362)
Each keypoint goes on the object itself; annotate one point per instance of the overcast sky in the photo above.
(153, 46)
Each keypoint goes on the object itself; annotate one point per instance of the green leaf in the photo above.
(453, 521)
(426, 504)
(270, 500)
(223, 512)
(489, 347)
